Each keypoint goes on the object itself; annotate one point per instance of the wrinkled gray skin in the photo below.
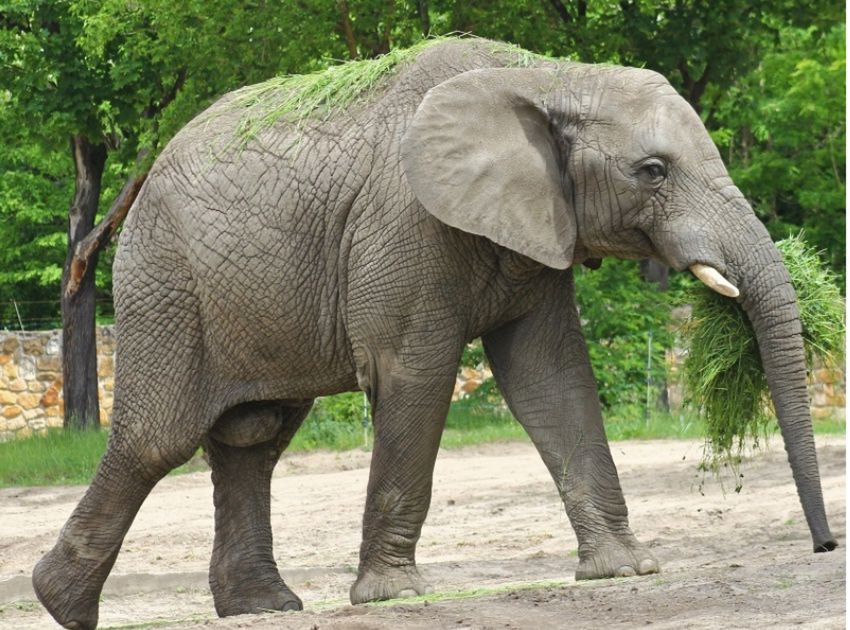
(365, 256)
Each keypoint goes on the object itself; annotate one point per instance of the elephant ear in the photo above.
(480, 156)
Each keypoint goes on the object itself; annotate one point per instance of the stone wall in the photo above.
(31, 382)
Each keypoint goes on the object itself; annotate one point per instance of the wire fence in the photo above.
(43, 314)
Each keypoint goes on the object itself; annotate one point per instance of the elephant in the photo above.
(362, 248)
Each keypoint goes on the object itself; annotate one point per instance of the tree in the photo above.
(118, 79)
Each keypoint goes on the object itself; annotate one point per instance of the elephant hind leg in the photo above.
(243, 448)
(68, 580)
(158, 421)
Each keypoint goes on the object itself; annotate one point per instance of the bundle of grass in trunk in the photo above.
(724, 379)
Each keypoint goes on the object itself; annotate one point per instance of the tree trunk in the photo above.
(424, 19)
(79, 350)
(347, 29)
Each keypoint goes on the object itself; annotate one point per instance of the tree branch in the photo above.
(562, 11)
(154, 109)
(103, 232)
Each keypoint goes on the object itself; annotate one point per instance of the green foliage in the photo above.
(619, 312)
(347, 408)
(782, 130)
(335, 423)
(724, 379)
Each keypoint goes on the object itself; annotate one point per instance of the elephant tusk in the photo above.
(712, 278)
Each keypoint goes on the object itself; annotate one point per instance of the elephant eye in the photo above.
(654, 170)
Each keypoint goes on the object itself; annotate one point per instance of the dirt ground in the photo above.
(728, 560)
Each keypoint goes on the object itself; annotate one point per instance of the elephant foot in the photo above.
(616, 558)
(240, 596)
(388, 583)
(69, 586)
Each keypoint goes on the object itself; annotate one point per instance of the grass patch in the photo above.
(630, 423)
(61, 458)
(477, 422)
(71, 457)
(723, 372)
(318, 433)
(58, 458)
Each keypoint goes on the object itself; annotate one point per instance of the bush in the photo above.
(626, 325)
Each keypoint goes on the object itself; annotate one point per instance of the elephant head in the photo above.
(578, 162)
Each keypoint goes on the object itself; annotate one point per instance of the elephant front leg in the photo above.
(543, 369)
(409, 413)
(243, 448)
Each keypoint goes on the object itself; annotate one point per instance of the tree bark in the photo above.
(86, 250)
(424, 19)
(79, 351)
(347, 30)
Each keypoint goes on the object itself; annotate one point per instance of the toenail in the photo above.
(626, 571)
(648, 566)
(407, 592)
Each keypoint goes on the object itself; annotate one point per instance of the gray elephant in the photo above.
(364, 249)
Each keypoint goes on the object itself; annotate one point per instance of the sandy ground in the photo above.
(728, 560)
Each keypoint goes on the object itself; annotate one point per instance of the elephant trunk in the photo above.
(770, 302)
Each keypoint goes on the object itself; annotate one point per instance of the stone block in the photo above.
(26, 368)
(38, 424)
(471, 385)
(28, 400)
(36, 387)
(11, 411)
(108, 385)
(34, 347)
(105, 366)
(50, 397)
(11, 371)
(11, 344)
(7, 397)
(468, 373)
(17, 385)
(836, 400)
(48, 377)
(5, 358)
(48, 364)
(13, 424)
(55, 412)
(827, 375)
(54, 421)
(22, 433)
(54, 344)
